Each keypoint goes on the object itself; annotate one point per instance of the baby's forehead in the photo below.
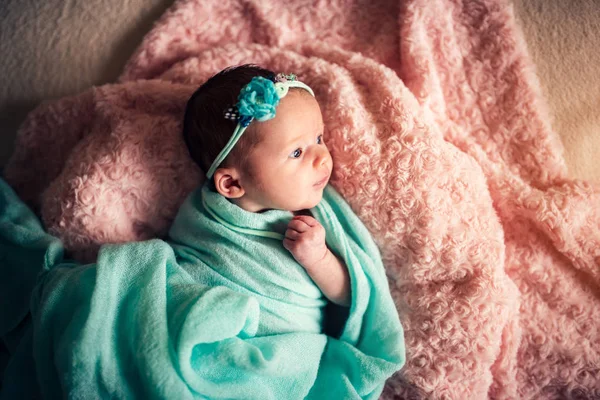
(296, 115)
(296, 111)
(284, 132)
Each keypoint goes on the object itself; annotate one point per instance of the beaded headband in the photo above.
(257, 100)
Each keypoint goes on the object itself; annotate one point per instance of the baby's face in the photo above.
(291, 164)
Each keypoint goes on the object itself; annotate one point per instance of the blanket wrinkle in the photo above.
(442, 146)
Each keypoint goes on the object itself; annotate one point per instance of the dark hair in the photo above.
(205, 129)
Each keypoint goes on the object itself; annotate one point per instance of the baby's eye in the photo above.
(297, 153)
(319, 139)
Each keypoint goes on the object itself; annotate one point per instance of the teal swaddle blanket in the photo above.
(220, 310)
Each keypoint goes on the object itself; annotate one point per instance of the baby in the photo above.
(266, 225)
(280, 162)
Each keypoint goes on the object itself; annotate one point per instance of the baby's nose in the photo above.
(321, 158)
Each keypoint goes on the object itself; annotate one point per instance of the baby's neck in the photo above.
(245, 207)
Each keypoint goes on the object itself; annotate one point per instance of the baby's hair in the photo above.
(206, 130)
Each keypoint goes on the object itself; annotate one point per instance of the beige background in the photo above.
(563, 37)
(52, 48)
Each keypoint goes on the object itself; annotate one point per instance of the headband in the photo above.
(257, 100)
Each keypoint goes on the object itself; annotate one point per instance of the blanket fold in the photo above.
(25, 248)
(198, 317)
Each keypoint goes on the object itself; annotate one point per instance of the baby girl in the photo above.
(280, 162)
(297, 297)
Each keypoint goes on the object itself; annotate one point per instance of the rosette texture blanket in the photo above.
(441, 145)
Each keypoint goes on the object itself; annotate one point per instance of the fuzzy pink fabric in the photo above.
(441, 145)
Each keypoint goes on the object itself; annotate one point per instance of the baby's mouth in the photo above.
(323, 181)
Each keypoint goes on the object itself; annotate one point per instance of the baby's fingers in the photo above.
(291, 245)
(292, 234)
(298, 225)
(308, 220)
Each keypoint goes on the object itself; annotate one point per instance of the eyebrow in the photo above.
(296, 140)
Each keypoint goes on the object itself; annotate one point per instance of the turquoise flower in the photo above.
(258, 100)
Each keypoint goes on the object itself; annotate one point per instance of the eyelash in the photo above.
(319, 141)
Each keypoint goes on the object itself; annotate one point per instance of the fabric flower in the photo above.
(258, 100)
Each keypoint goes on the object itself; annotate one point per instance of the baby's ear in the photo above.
(227, 182)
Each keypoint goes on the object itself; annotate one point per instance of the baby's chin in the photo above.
(308, 204)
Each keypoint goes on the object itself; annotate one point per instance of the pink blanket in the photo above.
(441, 145)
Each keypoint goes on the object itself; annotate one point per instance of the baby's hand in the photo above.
(305, 239)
